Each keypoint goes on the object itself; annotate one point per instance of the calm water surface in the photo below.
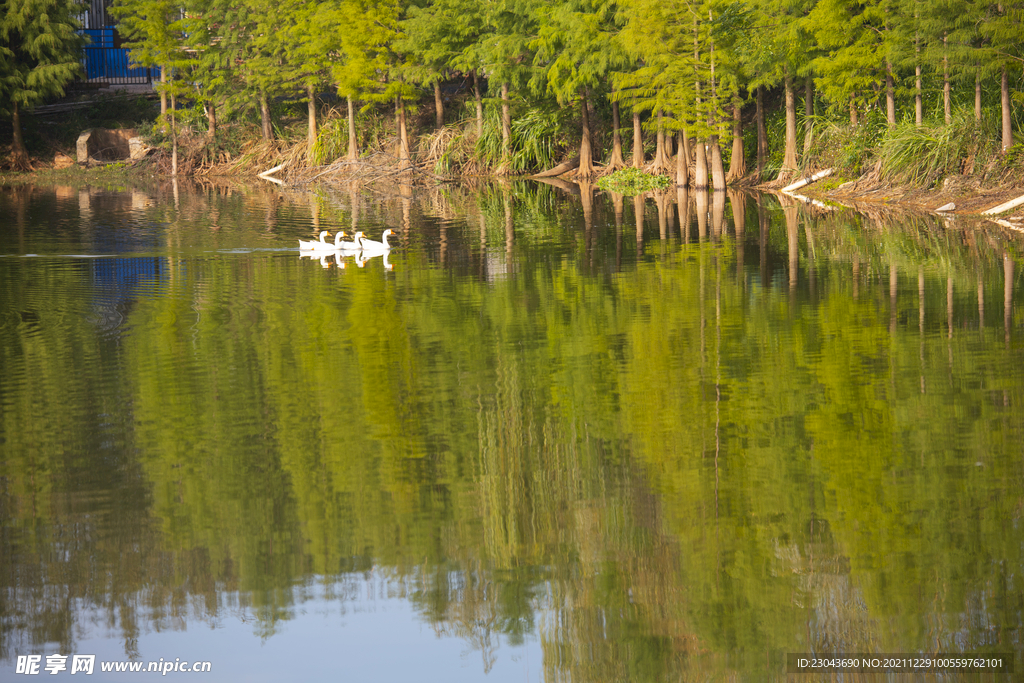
(553, 437)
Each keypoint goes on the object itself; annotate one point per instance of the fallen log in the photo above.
(807, 181)
(563, 167)
(266, 174)
(1003, 208)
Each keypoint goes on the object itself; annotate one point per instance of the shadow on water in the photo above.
(663, 437)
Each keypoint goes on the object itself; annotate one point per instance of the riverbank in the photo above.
(957, 195)
(915, 169)
(968, 194)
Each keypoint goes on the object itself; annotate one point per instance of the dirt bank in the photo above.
(967, 194)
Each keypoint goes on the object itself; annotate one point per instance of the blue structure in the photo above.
(103, 57)
(112, 65)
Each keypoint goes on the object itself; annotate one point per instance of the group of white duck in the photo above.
(360, 247)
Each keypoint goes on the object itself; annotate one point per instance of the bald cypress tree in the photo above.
(1002, 29)
(40, 53)
(576, 52)
(154, 30)
(859, 49)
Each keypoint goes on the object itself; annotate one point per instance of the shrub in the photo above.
(632, 181)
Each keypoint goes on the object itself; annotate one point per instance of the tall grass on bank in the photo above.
(539, 139)
(905, 153)
(373, 132)
(331, 140)
(448, 150)
(924, 156)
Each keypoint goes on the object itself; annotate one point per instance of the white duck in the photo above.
(327, 246)
(374, 247)
(313, 244)
(353, 246)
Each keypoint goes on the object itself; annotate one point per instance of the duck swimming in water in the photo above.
(374, 247)
(313, 244)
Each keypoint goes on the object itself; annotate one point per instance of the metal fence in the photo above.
(111, 65)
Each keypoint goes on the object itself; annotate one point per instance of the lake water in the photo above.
(553, 437)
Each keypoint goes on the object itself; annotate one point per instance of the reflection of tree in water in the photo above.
(556, 450)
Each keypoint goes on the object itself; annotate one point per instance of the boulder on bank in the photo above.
(62, 161)
(137, 148)
(106, 144)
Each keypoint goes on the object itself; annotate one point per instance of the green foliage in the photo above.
(575, 48)
(845, 148)
(1014, 156)
(39, 50)
(632, 181)
(441, 35)
(541, 136)
(856, 43)
(687, 60)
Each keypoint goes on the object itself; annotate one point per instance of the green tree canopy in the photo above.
(40, 53)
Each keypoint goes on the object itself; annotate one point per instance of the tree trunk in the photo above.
(268, 131)
(617, 161)
(687, 152)
(1007, 119)
(638, 142)
(479, 105)
(682, 161)
(163, 91)
(700, 174)
(586, 169)
(977, 96)
(438, 106)
(506, 120)
(853, 111)
(403, 135)
(808, 115)
(660, 162)
(890, 97)
(918, 98)
(353, 145)
(762, 136)
(737, 164)
(717, 168)
(211, 123)
(174, 144)
(398, 127)
(789, 162)
(19, 158)
(947, 105)
(311, 127)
